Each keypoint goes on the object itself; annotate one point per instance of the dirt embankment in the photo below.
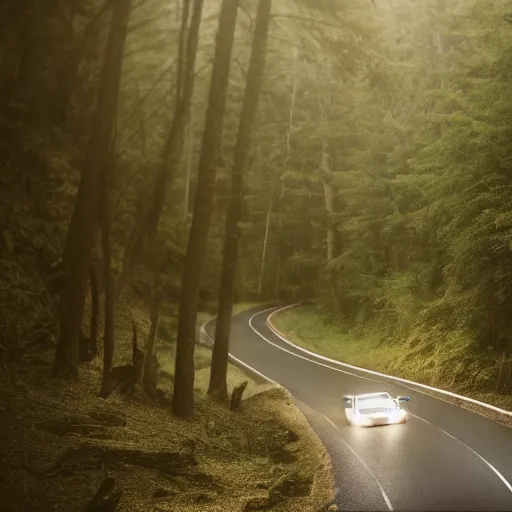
(59, 442)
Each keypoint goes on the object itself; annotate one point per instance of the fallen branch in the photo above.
(105, 499)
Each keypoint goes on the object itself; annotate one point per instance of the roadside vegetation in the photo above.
(416, 358)
(402, 238)
(59, 444)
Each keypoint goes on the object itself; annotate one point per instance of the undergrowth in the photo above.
(434, 356)
(263, 457)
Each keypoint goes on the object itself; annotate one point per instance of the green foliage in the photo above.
(418, 130)
(411, 102)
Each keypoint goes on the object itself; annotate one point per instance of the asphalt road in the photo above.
(443, 458)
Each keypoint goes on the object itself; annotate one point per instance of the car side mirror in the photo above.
(347, 402)
(403, 398)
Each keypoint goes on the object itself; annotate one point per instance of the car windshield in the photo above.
(371, 404)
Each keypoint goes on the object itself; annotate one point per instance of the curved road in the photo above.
(444, 458)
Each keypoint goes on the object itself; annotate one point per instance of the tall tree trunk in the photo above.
(108, 330)
(218, 375)
(265, 242)
(68, 74)
(85, 215)
(277, 284)
(292, 103)
(332, 238)
(149, 377)
(328, 201)
(188, 170)
(183, 396)
(28, 45)
(331, 233)
(172, 155)
(182, 56)
(279, 211)
(95, 310)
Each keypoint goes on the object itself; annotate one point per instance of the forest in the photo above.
(166, 161)
(406, 201)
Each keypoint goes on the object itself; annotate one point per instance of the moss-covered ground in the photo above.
(59, 441)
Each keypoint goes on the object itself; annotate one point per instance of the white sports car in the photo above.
(374, 409)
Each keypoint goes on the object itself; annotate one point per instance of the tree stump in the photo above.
(236, 397)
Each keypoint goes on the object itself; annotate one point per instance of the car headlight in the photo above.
(398, 415)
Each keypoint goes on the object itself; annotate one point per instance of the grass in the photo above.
(306, 327)
(244, 306)
(436, 359)
(235, 453)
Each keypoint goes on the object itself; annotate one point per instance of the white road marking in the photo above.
(238, 361)
(497, 473)
(384, 495)
(493, 469)
(363, 463)
(372, 372)
(297, 355)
